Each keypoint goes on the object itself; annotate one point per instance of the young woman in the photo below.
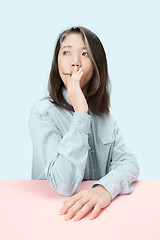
(74, 136)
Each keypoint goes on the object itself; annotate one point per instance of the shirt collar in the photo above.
(64, 92)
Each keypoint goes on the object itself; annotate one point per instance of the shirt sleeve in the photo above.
(123, 168)
(60, 160)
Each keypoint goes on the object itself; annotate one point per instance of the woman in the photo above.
(74, 136)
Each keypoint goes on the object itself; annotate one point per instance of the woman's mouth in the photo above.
(65, 73)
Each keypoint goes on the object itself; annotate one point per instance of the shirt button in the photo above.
(92, 151)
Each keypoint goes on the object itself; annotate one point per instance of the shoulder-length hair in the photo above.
(98, 94)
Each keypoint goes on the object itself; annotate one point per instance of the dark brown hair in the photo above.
(98, 94)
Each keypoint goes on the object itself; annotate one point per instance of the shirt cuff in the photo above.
(112, 183)
(81, 121)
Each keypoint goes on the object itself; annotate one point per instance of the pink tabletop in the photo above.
(29, 210)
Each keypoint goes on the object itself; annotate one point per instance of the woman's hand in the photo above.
(84, 201)
(75, 93)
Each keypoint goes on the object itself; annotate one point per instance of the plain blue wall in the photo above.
(129, 31)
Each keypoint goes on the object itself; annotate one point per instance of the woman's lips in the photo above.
(65, 73)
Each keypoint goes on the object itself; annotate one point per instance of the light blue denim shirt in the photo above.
(71, 147)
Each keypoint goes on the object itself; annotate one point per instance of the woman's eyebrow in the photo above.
(69, 46)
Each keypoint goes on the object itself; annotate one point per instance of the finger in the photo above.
(95, 212)
(75, 80)
(75, 83)
(86, 208)
(71, 79)
(78, 205)
(69, 203)
(75, 71)
(78, 75)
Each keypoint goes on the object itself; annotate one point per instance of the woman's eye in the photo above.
(66, 53)
(85, 53)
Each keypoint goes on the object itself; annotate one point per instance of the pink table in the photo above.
(29, 210)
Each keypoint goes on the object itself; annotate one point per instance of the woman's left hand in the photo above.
(84, 201)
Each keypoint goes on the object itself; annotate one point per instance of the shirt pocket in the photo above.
(107, 139)
(106, 149)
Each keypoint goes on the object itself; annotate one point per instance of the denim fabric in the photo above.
(71, 147)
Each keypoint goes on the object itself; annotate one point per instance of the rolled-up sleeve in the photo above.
(59, 159)
(123, 168)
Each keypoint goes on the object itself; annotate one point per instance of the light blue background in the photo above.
(129, 31)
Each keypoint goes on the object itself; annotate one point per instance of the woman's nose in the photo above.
(76, 62)
(76, 65)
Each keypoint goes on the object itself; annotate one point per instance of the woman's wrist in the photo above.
(106, 190)
(85, 111)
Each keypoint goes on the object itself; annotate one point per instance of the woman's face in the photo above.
(74, 53)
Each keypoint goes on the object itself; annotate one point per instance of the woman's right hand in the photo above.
(75, 93)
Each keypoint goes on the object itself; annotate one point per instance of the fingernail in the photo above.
(68, 216)
(61, 211)
(76, 218)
